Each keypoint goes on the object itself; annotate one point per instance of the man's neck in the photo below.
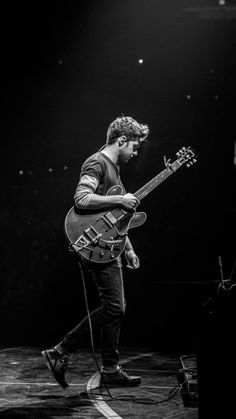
(111, 151)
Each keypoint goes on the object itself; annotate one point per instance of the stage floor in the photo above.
(29, 391)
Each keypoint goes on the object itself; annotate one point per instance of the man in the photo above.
(99, 173)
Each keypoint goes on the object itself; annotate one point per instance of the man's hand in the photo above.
(129, 201)
(132, 259)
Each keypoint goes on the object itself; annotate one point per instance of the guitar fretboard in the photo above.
(157, 180)
(149, 186)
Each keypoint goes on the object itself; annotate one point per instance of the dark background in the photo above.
(68, 70)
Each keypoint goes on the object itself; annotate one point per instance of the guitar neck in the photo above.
(157, 180)
(152, 184)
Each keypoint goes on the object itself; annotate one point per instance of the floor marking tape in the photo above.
(100, 405)
(94, 382)
(37, 384)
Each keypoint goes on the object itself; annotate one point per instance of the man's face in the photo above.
(129, 150)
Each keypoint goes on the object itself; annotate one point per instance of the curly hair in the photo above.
(126, 125)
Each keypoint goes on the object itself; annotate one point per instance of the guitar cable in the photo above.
(123, 397)
(90, 326)
(225, 284)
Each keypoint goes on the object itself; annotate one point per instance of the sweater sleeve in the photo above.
(86, 187)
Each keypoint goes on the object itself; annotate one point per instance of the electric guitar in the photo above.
(100, 236)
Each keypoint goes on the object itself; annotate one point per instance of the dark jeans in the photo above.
(109, 316)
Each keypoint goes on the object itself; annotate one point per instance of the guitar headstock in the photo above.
(186, 156)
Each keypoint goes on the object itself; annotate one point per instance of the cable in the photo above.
(147, 400)
(90, 327)
(123, 397)
(232, 271)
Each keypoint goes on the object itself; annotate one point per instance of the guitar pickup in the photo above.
(109, 219)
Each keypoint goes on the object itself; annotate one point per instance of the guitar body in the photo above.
(100, 236)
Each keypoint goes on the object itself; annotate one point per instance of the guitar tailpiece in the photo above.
(70, 247)
(73, 245)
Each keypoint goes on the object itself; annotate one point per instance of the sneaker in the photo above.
(57, 364)
(120, 378)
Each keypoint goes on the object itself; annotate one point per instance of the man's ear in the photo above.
(122, 140)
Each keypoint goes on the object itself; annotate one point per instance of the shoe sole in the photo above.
(50, 367)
